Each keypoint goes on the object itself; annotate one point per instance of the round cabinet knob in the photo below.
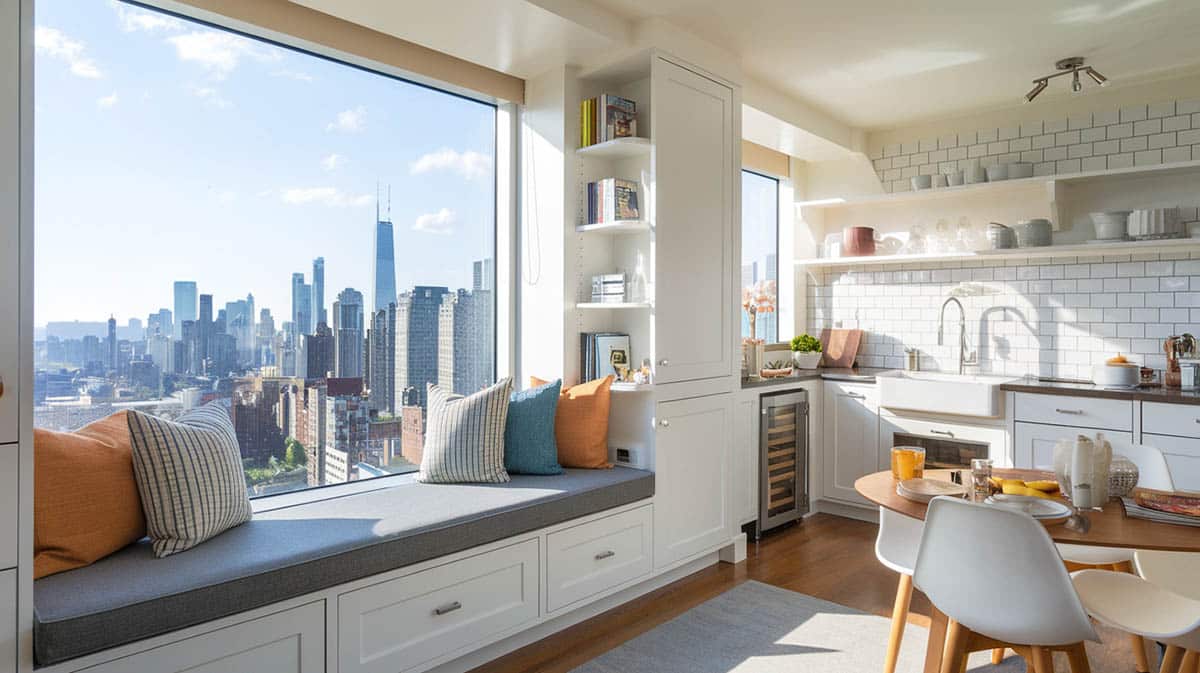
(665, 423)
(664, 362)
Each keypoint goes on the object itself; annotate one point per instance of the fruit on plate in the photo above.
(1045, 485)
(1118, 360)
(1035, 489)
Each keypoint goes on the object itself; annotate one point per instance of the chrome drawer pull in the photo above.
(941, 432)
(605, 554)
(1073, 412)
(447, 608)
(856, 396)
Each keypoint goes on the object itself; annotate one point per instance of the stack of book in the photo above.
(603, 353)
(611, 200)
(606, 117)
(608, 288)
(1177, 508)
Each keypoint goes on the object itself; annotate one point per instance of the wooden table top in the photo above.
(1110, 527)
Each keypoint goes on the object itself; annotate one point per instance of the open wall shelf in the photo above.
(617, 148)
(1073, 250)
(614, 228)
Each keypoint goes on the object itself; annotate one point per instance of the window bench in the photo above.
(292, 551)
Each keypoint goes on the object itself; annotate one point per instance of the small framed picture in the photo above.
(612, 355)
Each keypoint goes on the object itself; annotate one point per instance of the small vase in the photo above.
(806, 360)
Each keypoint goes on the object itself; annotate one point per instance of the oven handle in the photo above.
(946, 433)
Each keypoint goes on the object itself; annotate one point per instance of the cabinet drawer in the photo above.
(1085, 412)
(8, 621)
(407, 622)
(1182, 420)
(292, 641)
(1183, 458)
(9, 480)
(586, 559)
(1033, 443)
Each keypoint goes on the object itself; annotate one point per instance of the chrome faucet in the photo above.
(963, 358)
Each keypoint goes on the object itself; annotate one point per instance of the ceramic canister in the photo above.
(858, 241)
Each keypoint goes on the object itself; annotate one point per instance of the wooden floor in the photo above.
(825, 556)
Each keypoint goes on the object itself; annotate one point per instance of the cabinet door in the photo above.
(691, 502)
(694, 223)
(1183, 458)
(292, 641)
(8, 621)
(1033, 443)
(10, 219)
(745, 460)
(851, 435)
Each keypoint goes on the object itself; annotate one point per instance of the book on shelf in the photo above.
(606, 117)
(612, 200)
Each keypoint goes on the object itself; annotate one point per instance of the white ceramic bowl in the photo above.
(1033, 233)
(922, 181)
(1111, 224)
(1116, 375)
(940, 180)
(975, 174)
(997, 172)
(956, 178)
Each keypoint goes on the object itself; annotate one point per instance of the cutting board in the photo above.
(840, 347)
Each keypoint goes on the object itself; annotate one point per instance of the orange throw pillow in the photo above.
(581, 423)
(85, 500)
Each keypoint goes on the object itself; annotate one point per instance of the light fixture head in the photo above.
(1038, 87)
(1068, 66)
(1096, 77)
(1076, 85)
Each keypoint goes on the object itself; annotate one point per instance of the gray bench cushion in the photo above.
(289, 552)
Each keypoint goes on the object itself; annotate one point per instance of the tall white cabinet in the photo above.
(686, 163)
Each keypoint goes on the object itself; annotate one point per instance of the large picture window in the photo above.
(760, 257)
(221, 218)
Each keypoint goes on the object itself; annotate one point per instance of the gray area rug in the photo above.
(757, 627)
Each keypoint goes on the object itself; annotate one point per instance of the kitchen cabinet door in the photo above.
(694, 197)
(745, 460)
(1033, 443)
(850, 439)
(692, 503)
(1183, 458)
(10, 209)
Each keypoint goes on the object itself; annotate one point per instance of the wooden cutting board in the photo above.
(840, 347)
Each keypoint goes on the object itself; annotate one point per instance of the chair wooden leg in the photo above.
(1191, 662)
(1171, 659)
(899, 620)
(1077, 655)
(935, 647)
(1140, 660)
(956, 647)
(1043, 662)
(997, 656)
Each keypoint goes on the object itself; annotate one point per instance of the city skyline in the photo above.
(312, 138)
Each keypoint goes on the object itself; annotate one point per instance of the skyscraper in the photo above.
(185, 305)
(318, 293)
(465, 338)
(483, 274)
(204, 326)
(112, 343)
(417, 340)
(381, 360)
(160, 323)
(384, 265)
(301, 306)
(320, 352)
(348, 333)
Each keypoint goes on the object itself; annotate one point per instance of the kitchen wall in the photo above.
(1047, 317)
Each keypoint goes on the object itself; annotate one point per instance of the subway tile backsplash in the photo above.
(1048, 317)
(1136, 135)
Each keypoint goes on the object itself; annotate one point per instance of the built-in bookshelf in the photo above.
(616, 228)
(618, 148)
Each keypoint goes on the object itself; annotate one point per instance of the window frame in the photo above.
(779, 185)
(504, 203)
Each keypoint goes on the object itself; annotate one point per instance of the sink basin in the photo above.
(934, 392)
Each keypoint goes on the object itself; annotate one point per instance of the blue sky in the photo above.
(167, 150)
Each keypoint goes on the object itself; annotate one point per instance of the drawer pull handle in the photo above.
(856, 396)
(1073, 412)
(605, 554)
(447, 608)
(947, 433)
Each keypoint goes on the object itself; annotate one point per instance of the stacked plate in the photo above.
(1039, 508)
(924, 490)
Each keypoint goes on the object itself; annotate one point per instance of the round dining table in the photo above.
(1110, 527)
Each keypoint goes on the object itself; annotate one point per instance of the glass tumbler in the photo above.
(908, 462)
(981, 473)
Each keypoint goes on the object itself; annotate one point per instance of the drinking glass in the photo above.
(981, 473)
(908, 462)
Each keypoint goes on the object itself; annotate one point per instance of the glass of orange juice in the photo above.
(908, 462)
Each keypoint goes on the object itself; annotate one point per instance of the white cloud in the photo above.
(333, 162)
(349, 121)
(133, 19)
(326, 196)
(441, 222)
(297, 75)
(219, 53)
(468, 164)
(211, 97)
(55, 44)
(227, 196)
(108, 101)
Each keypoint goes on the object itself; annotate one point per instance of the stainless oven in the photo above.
(947, 444)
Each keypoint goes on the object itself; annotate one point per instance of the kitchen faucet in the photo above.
(963, 359)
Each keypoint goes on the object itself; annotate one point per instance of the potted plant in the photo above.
(806, 351)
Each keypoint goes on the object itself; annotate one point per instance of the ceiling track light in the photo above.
(1068, 66)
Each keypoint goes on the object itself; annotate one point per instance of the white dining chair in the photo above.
(1154, 473)
(896, 548)
(1135, 605)
(996, 575)
(1175, 571)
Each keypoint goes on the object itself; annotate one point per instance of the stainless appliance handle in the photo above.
(946, 433)
(855, 396)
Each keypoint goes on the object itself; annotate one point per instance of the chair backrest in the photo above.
(1175, 571)
(996, 572)
(1153, 471)
(898, 540)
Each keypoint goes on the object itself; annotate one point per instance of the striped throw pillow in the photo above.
(464, 436)
(189, 474)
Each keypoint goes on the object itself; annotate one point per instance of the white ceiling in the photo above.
(881, 63)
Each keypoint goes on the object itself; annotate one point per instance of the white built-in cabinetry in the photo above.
(1040, 421)
(849, 438)
(584, 560)
(10, 190)
(9, 505)
(8, 621)
(1175, 429)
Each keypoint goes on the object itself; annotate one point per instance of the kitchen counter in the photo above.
(857, 375)
(1079, 389)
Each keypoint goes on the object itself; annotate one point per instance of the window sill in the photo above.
(270, 503)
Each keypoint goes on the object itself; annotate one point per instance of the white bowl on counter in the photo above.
(1111, 225)
(1117, 375)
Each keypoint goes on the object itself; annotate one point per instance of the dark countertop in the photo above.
(857, 375)
(1142, 394)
